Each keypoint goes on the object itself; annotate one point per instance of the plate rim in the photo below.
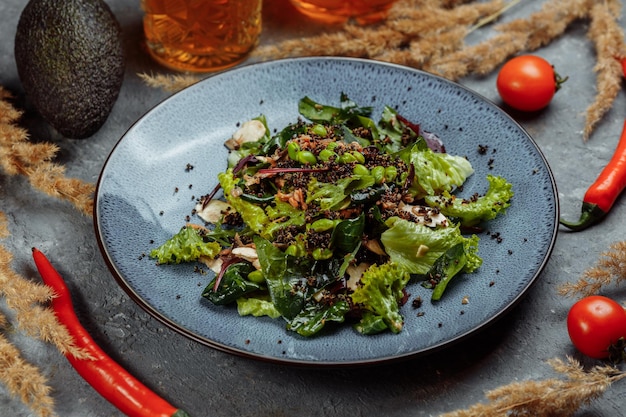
(178, 328)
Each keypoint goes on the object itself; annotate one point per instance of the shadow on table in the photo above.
(422, 377)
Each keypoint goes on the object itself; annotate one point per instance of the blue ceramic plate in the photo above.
(173, 154)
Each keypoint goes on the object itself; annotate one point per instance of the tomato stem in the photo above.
(558, 80)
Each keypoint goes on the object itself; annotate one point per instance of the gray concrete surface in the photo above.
(206, 382)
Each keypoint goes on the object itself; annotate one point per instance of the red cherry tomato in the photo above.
(596, 323)
(527, 83)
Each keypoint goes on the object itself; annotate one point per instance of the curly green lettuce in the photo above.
(257, 307)
(381, 291)
(185, 246)
(282, 215)
(252, 215)
(473, 211)
(437, 172)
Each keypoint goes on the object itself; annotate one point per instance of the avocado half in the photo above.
(71, 62)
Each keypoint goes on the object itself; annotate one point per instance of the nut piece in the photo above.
(249, 254)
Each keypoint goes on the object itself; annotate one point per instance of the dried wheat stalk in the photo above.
(18, 156)
(547, 398)
(609, 269)
(25, 297)
(523, 34)
(407, 23)
(24, 380)
(608, 38)
(169, 82)
(34, 160)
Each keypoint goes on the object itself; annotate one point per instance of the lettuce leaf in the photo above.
(347, 234)
(445, 268)
(415, 247)
(185, 246)
(285, 282)
(349, 112)
(380, 292)
(281, 215)
(437, 172)
(393, 129)
(370, 323)
(254, 216)
(257, 307)
(472, 211)
(336, 196)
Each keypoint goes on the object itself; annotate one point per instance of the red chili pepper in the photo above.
(601, 195)
(104, 374)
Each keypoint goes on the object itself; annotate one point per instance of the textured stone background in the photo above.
(206, 382)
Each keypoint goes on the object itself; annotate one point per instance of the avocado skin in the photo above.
(70, 61)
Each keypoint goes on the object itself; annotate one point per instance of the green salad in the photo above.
(330, 218)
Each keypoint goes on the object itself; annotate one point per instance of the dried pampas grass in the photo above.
(24, 380)
(25, 298)
(431, 35)
(19, 156)
(610, 269)
(608, 38)
(547, 398)
(170, 82)
(407, 25)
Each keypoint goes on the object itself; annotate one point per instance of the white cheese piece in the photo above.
(212, 212)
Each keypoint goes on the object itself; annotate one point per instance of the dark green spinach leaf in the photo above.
(232, 285)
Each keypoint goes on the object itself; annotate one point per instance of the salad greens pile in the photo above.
(329, 219)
